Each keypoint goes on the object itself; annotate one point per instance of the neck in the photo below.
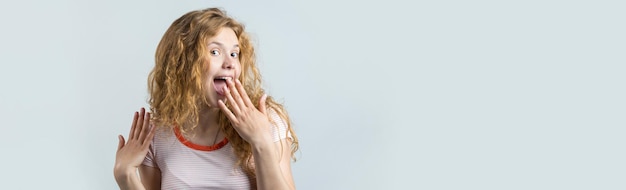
(208, 121)
(207, 132)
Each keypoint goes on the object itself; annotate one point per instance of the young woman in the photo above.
(211, 126)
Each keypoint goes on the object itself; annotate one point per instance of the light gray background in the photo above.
(383, 94)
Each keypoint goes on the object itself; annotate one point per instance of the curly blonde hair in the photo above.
(176, 84)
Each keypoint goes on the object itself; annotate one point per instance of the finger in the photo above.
(262, 104)
(227, 111)
(235, 93)
(139, 125)
(132, 127)
(233, 104)
(120, 144)
(244, 94)
(145, 128)
(148, 140)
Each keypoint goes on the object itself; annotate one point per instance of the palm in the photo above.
(130, 154)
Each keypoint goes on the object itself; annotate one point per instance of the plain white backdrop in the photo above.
(383, 94)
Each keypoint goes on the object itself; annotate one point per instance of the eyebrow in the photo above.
(222, 45)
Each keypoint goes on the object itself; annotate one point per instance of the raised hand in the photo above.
(251, 123)
(130, 154)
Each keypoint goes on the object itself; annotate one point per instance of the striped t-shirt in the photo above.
(185, 165)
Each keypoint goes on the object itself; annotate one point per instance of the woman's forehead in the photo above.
(225, 37)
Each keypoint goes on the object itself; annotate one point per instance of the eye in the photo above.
(234, 54)
(215, 52)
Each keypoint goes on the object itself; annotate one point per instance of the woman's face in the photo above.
(223, 60)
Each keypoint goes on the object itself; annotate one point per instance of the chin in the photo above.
(214, 101)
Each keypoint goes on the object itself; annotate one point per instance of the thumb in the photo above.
(121, 142)
(262, 104)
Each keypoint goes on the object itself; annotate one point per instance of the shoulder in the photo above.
(280, 124)
(277, 117)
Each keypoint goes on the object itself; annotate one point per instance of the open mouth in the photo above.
(219, 83)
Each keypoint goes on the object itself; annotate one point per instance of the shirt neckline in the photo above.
(194, 146)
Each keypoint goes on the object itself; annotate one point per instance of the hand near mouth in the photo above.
(251, 123)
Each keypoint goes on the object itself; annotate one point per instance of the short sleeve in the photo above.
(149, 160)
(279, 127)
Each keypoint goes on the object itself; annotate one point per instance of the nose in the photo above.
(228, 63)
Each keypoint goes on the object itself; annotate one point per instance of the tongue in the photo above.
(219, 86)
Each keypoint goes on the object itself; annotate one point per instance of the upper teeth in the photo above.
(224, 78)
